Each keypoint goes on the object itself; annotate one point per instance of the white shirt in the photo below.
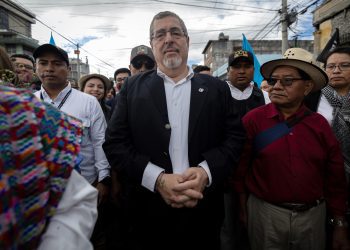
(70, 228)
(178, 97)
(86, 108)
(246, 93)
(325, 109)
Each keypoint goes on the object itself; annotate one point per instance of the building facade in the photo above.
(84, 69)
(216, 52)
(327, 17)
(15, 29)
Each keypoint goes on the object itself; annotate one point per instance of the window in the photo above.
(4, 19)
(11, 49)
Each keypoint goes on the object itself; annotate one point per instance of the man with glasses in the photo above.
(245, 97)
(173, 138)
(333, 102)
(24, 67)
(119, 77)
(141, 59)
(291, 170)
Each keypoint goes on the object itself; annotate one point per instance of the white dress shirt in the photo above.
(94, 165)
(178, 97)
(70, 228)
(325, 109)
(246, 93)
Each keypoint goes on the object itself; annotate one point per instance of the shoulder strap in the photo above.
(270, 135)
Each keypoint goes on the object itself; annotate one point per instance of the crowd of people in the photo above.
(170, 157)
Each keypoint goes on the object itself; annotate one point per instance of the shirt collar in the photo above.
(250, 87)
(272, 112)
(188, 77)
(60, 96)
(239, 94)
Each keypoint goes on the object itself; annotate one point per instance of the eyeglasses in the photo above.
(286, 81)
(121, 79)
(341, 67)
(23, 66)
(138, 64)
(176, 33)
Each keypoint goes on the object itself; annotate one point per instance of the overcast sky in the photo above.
(107, 30)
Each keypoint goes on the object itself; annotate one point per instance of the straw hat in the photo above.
(300, 59)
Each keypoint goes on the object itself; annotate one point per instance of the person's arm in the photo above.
(336, 192)
(335, 182)
(118, 145)
(223, 159)
(237, 183)
(97, 132)
(71, 226)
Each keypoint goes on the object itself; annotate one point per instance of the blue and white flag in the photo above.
(258, 78)
(52, 41)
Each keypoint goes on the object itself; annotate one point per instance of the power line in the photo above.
(208, 7)
(72, 42)
(269, 23)
(238, 5)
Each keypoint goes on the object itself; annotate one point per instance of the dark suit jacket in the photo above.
(138, 133)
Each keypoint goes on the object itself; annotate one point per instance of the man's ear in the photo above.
(308, 87)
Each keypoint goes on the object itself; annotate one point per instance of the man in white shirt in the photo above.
(52, 68)
(174, 138)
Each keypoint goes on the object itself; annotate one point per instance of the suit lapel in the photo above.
(199, 92)
(156, 88)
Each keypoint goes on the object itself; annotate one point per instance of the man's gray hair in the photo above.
(162, 15)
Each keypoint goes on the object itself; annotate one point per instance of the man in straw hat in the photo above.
(291, 170)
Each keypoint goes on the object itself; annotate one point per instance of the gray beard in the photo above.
(173, 62)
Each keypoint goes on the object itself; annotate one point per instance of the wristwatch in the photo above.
(338, 222)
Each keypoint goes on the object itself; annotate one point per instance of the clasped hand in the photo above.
(183, 190)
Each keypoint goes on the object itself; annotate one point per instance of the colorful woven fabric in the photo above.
(38, 149)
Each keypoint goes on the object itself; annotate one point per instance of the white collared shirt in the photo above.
(178, 97)
(94, 165)
(325, 109)
(246, 93)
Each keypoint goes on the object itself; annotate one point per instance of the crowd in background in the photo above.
(169, 157)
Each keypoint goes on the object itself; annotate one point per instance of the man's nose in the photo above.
(278, 85)
(49, 67)
(143, 68)
(168, 37)
(241, 70)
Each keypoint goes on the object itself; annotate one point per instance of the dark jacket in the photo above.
(139, 132)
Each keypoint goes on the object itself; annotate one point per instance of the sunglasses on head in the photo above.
(138, 64)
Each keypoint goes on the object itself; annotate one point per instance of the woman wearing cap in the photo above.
(292, 167)
(97, 85)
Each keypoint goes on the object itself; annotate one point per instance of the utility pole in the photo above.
(77, 52)
(284, 21)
